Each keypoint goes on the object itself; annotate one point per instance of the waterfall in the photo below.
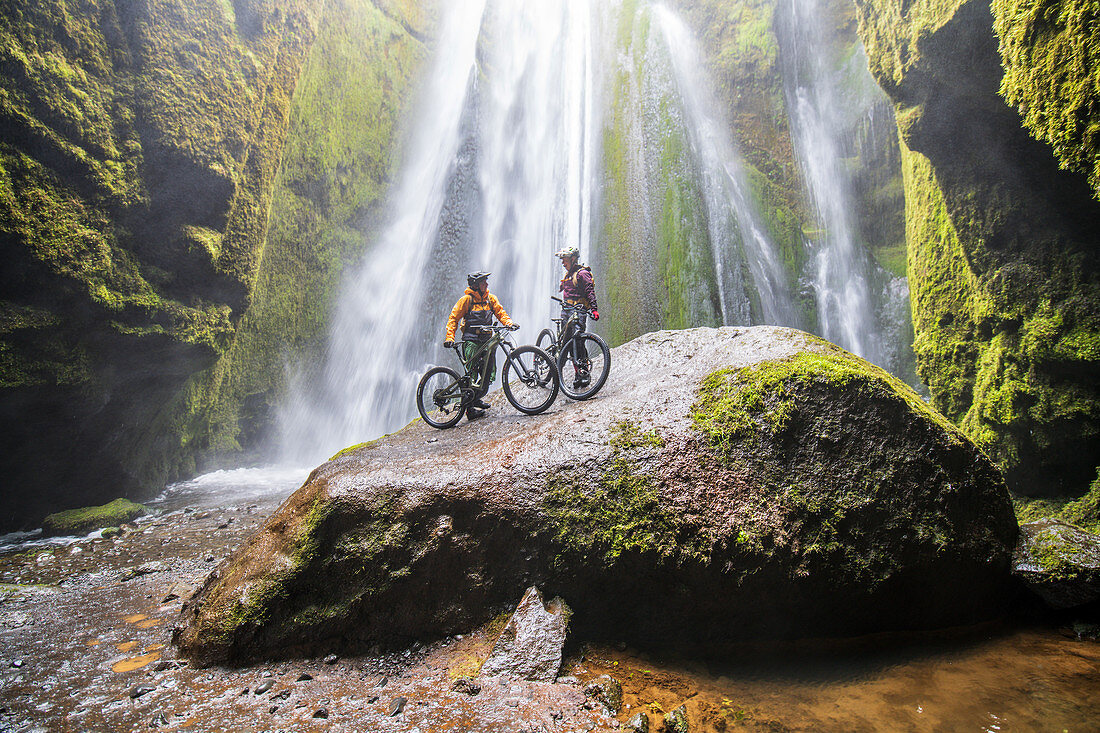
(508, 159)
(830, 101)
(379, 340)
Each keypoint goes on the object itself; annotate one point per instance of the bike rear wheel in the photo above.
(440, 399)
(530, 380)
(546, 341)
(583, 365)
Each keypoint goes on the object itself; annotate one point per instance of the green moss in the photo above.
(1057, 558)
(621, 512)
(353, 448)
(736, 405)
(1083, 512)
(1052, 76)
(78, 521)
(1001, 350)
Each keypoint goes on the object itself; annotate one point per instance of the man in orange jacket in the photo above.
(475, 309)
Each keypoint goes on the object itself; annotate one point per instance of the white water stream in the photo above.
(859, 305)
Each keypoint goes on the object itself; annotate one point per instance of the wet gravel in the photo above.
(85, 644)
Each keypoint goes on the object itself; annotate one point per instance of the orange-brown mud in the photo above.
(85, 646)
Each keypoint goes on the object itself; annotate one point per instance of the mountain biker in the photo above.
(476, 308)
(578, 288)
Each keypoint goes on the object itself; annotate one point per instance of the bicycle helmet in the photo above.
(475, 277)
(570, 251)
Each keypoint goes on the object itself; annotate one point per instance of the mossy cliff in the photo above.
(137, 172)
(1051, 56)
(762, 482)
(1002, 259)
(341, 152)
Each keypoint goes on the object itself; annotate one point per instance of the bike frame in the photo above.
(564, 323)
(499, 338)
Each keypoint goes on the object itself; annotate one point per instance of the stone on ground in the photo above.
(530, 646)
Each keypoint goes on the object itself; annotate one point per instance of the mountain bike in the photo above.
(529, 377)
(585, 352)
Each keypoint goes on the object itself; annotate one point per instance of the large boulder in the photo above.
(726, 484)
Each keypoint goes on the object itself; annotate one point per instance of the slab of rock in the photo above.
(530, 645)
(1059, 562)
(753, 482)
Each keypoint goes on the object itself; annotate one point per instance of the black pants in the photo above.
(578, 325)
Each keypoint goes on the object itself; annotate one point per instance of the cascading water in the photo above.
(859, 306)
(734, 232)
(507, 166)
(378, 341)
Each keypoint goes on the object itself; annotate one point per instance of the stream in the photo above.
(85, 644)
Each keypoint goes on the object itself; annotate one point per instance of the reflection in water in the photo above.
(1020, 679)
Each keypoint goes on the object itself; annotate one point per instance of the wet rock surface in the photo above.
(767, 483)
(1059, 562)
(530, 645)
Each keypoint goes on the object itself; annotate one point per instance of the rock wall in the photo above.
(138, 168)
(1001, 242)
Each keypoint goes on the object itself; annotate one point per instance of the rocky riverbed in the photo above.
(85, 646)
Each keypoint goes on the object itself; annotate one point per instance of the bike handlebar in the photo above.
(574, 306)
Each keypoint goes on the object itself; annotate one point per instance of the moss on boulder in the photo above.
(80, 521)
(767, 483)
(1059, 562)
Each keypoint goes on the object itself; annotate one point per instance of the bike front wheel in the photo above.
(440, 398)
(530, 380)
(583, 365)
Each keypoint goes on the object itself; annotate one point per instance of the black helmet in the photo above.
(475, 277)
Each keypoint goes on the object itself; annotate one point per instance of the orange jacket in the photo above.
(473, 301)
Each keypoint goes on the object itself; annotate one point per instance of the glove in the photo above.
(514, 327)
(448, 344)
(595, 315)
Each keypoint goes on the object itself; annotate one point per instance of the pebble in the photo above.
(398, 706)
(466, 685)
(139, 691)
(304, 677)
(17, 663)
(264, 686)
(321, 713)
(331, 659)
